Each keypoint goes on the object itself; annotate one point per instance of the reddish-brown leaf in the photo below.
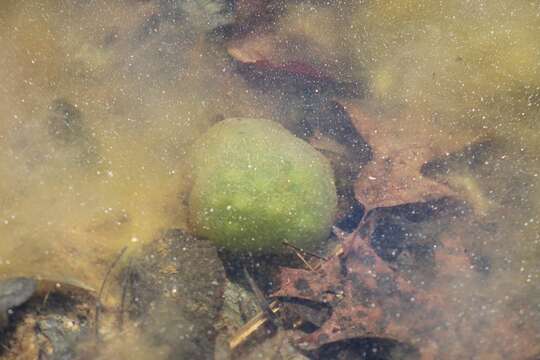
(370, 299)
(400, 150)
(268, 51)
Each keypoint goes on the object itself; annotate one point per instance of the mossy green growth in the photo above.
(255, 185)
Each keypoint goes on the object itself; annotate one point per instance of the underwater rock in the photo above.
(60, 335)
(55, 319)
(14, 292)
(256, 185)
(176, 288)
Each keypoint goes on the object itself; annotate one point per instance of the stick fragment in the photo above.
(286, 243)
(102, 287)
(275, 307)
(253, 325)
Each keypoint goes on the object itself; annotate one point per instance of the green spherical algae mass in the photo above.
(255, 185)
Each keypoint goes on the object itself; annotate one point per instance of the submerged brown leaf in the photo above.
(253, 48)
(394, 176)
(370, 299)
(268, 52)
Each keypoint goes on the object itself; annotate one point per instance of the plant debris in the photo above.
(394, 176)
(370, 299)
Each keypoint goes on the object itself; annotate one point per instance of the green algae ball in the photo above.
(255, 185)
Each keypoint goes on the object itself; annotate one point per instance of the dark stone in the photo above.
(63, 334)
(55, 319)
(14, 292)
(176, 288)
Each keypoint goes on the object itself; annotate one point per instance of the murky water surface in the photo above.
(101, 100)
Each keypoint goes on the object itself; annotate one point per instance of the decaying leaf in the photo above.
(269, 51)
(302, 38)
(370, 299)
(394, 176)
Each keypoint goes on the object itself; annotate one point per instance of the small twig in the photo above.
(261, 300)
(100, 293)
(45, 299)
(303, 260)
(286, 243)
(252, 325)
(127, 281)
